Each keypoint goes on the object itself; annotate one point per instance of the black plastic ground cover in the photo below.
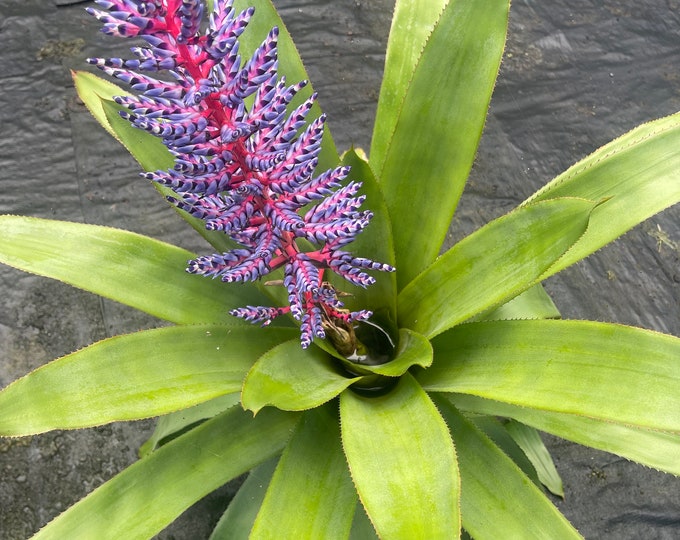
(575, 75)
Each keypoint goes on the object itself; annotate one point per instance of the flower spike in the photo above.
(245, 169)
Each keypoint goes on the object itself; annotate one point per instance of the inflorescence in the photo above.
(246, 170)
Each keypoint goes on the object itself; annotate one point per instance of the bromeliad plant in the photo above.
(411, 398)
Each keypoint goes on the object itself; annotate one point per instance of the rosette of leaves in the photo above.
(441, 437)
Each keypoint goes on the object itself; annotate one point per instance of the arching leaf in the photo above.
(502, 503)
(434, 139)
(639, 174)
(135, 376)
(311, 494)
(161, 486)
(129, 268)
(656, 449)
(402, 462)
(494, 264)
(603, 371)
(293, 379)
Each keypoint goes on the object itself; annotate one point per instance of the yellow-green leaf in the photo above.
(293, 379)
(498, 500)
(172, 425)
(129, 268)
(403, 462)
(603, 371)
(492, 265)
(639, 174)
(435, 136)
(311, 494)
(534, 303)
(147, 496)
(375, 243)
(91, 90)
(412, 24)
(237, 521)
(135, 376)
(652, 448)
(529, 440)
(413, 350)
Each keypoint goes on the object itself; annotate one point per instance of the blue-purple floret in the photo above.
(246, 170)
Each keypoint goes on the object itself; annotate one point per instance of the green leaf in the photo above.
(639, 173)
(412, 25)
(498, 500)
(402, 461)
(652, 448)
(534, 303)
(492, 265)
(237, 522)
(135, 376)
(172, 425)
(531, 443)
(91, 89)
(604, 371)
(147, 496)
(499, 435)
(362, 529)
(293, 379)
(311, 494)
(97, 94)
(141, 272)
(375, 243)
(413, 350)
(438, 128)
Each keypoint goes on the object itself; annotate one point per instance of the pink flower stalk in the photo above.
(246, 170)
